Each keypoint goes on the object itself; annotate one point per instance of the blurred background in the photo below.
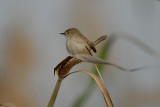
(31, 46)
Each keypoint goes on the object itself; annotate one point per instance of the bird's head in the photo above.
(71, 32)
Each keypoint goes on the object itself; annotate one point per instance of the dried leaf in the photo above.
(62, 63)
(92, 59)
(101, 86)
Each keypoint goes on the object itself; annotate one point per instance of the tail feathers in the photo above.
(100, 39)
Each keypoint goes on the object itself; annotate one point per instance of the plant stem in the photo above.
(55, 92)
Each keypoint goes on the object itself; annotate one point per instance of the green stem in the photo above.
(55, 92)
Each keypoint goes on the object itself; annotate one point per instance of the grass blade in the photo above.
(101, 86)
(54, 94)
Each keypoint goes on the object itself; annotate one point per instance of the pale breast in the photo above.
(77, 46)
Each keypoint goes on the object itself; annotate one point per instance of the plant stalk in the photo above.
(55, 92)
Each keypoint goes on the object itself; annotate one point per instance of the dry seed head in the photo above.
(64, 69)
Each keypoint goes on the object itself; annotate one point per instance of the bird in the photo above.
(77, 43)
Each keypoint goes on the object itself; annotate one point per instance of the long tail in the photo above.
(100, 39)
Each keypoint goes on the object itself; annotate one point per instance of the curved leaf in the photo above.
(101, 86)
(92, 59)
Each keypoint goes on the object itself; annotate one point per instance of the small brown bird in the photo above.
(77, 43)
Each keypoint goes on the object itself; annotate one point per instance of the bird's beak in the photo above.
(62, 33)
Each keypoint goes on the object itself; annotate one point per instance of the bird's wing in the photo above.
(92, 46)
